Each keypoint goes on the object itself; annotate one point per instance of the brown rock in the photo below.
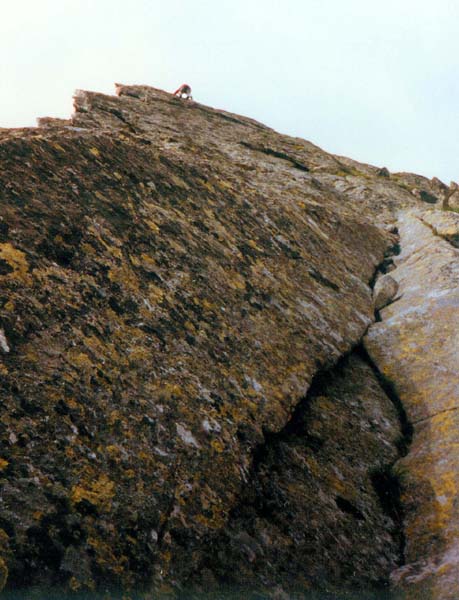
(172, 278)
(318, 503)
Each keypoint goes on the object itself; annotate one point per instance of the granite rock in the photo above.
(173, 279)
(415, 346)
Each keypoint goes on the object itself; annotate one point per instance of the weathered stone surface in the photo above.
(320, 487)
(445, 224)
(171, 279)
(53, 122)
(416, 347)
(381, 197)
(384, 291)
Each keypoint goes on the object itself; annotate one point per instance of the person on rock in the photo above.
(184, 91)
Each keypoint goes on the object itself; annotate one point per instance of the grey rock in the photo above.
(3, 342)
(384, 292)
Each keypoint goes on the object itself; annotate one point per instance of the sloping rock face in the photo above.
(172, 280)
(319, 487)
(416, 346)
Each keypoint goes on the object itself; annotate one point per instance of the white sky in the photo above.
(375, 81)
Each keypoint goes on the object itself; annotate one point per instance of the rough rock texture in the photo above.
(172, 279)
(334, 453)
(444, 224)
(416, 346)
(384, 291)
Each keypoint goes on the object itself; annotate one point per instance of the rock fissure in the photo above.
(444, 225)
(276, 154)
(390, 390)
(432, 416)
(415, 347)
(286, 492)
(166, 296)
(119, 115)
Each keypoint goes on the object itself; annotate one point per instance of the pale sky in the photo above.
(375, 81)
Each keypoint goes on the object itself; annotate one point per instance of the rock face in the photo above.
(443, 224)
(319, 487)
(173, 280)
(384, 292)
(416, 346)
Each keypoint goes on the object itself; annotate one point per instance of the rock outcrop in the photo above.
(416, 347)
(384, 291)
(180, 292)
(321, 487)
(443, 224)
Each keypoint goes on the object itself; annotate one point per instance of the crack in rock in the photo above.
(415, 347)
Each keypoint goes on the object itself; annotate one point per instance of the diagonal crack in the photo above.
(283, 155)
(452, 239)
(119, 115)
(440, 412)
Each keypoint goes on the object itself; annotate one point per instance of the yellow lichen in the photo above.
(152, 225)
(3, 574)
(106, 559)
(16, 259)
(125, 277)
(98, 493)
(74, 584)
(253, 245)
(3, 464)
(114, 417)
(113, 451)
(236, 281)
(217, 446)
(72, 403)
(155, 294)
(81, 361)
(148, 262)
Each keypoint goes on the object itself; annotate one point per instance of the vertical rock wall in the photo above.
(416, 347)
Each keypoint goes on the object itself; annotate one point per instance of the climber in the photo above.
(184, 91)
